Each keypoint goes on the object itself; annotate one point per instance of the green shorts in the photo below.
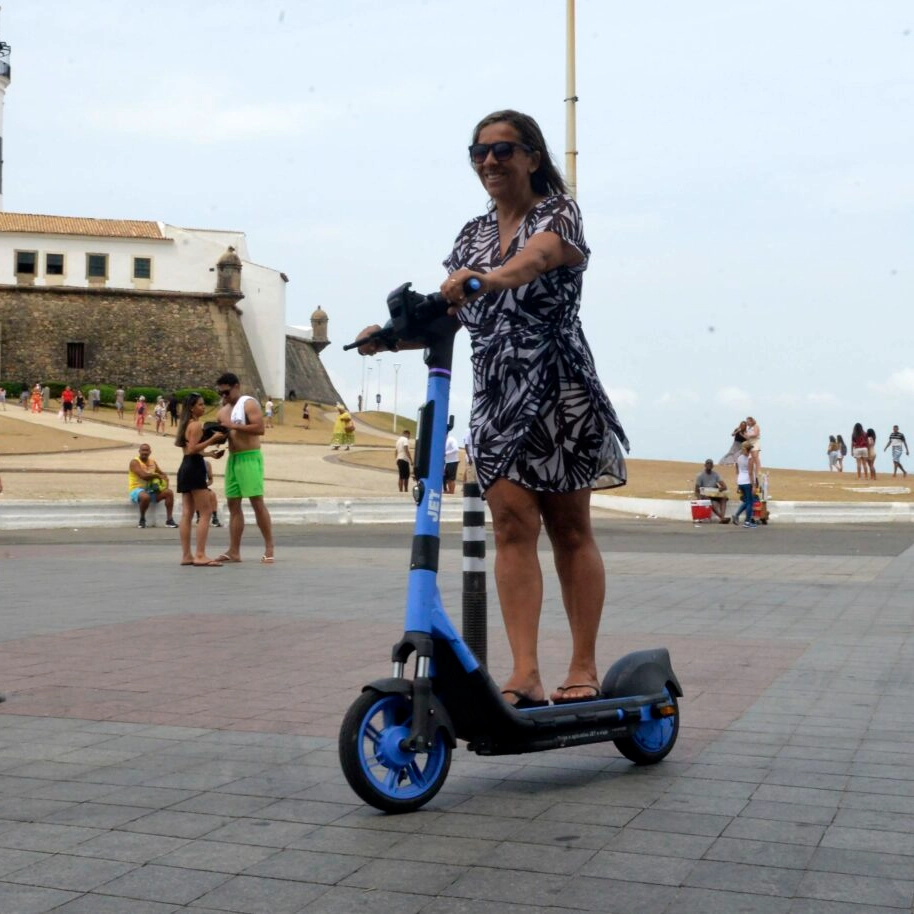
(244, 475)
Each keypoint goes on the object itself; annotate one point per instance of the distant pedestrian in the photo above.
(451, 463)
(67, 397)
(36, 399)
(80, 405)
(119, 396)
(2, 398)
(860, 451)
(739, 436)
(897, 441)
(139, 414)
(305, 416)
(871, 451)
(173, 410)
(744, 484)
(842, 453)
(754, 437)
(833, 452)
(159, 412)
(268, 413)
(95, 399)
(343, 429)
(404, 460)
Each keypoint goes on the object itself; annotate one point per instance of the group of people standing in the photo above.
(863, 450)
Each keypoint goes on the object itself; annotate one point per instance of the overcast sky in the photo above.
(744, 171)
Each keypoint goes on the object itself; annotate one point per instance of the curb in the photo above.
(32, 515)
(783, 512)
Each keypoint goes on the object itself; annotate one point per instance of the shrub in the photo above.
(210, 397)
(13, 389)
(150, 393)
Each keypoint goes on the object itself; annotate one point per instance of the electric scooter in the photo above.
(396, 739)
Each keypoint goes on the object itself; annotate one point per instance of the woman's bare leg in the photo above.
(518, 579)
(583, 580)
(202, 502)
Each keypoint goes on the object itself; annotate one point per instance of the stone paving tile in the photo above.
(861, 863)
(78, 874)
(12, 860)
(762, 853)
(220, 857)
(151, 797)
(491, 885)
(97, 815)
(686, 823)
(644, 868)
(176, 824)
(29, 899)
(752, 878)
(308, 866)
(253, 895)
(706, 901)
(261, 832)
(127, 846)
(307, 811)
(658, 843)
(164, 884)
(38, 836)
(474, 906)
(422, 878)
(858, 889)
(537, 858)
(615, 895)
(862, 839)
(220, 804)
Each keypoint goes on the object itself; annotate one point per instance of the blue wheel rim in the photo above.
(395, 772)
(654, 734)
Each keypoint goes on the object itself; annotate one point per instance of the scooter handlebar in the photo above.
(411, 312)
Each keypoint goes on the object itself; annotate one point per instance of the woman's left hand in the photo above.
(452, 288)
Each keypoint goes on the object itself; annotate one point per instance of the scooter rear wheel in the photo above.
(652, 739)
(377, 767)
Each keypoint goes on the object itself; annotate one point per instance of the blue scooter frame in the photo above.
(396, 739)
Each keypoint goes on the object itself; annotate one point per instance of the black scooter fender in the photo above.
(641, 673)
(404, 687)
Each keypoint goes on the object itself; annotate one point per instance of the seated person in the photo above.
(147, 483)
(708, 484)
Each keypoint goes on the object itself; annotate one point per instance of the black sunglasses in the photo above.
(502, 150)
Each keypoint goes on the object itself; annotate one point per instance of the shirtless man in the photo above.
(244, 469)
(147, 483)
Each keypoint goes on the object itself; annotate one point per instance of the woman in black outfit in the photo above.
(193, 485)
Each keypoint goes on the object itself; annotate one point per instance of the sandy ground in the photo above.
(41, 458)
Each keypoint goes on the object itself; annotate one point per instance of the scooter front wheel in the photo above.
(652, 739)
(377, 766)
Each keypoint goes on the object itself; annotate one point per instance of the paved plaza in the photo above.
(169, 739)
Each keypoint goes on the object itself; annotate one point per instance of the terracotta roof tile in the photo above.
(77, 225)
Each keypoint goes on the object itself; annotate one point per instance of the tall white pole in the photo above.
(378, 398)
(571, 151)
(396, 373)
(364, 392)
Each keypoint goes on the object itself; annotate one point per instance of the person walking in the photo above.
(897, 441)
(193, 486)
(404, 460)
(871, 451)
(842, 453)
(244, 473)
(833, 452)
(139, 414)
(860, 451)
(343, 429)
(744, 484)
(545, 433)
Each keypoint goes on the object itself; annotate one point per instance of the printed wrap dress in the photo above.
(540, 416)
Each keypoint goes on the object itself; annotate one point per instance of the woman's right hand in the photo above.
(372, 347)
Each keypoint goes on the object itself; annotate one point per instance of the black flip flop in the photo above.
(524, 702)
(597, 695)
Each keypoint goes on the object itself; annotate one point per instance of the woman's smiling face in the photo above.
(509, 179)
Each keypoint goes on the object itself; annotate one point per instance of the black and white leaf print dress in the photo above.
(540, 415)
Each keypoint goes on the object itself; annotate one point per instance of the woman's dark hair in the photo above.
(547, 178)
(831, 439)
(858, 430)
(871, 434)
(190, 401)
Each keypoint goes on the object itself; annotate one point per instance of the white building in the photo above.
(39, 250)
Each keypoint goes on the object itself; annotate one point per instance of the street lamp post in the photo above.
(396, 373)
(367, 385)
(362, 403)
(378, 398)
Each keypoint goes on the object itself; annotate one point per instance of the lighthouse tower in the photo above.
(4, 82)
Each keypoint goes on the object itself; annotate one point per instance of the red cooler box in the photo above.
(701, 509)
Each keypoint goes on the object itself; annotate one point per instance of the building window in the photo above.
(97, 266)
(25, 262)
(53, 264)
(142, 268)
(76, 355)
